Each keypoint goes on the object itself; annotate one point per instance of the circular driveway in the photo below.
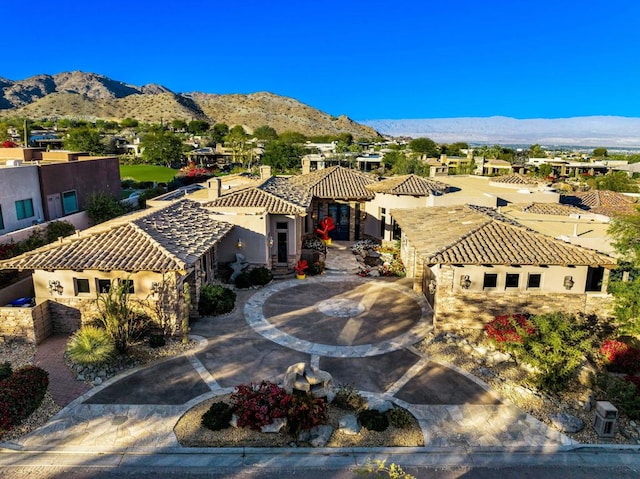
(343, 317)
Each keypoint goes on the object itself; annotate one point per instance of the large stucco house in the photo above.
(473, 263)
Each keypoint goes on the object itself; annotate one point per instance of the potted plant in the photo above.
(300, 268)
(326, 225)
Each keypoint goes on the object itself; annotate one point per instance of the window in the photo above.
(1, 220)
(127, 285)
(104, 285)
(534, 280)
(512, 281)
(490, 280)
(81, 285)
(24, 209)
(594, 279)
(69, 202)
(282, 225)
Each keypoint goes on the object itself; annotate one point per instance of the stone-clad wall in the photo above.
(464, 310)
(32, 325)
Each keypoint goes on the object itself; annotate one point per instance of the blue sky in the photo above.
(366, 59)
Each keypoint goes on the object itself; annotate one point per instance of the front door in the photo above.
(340, 214)
(283, 254)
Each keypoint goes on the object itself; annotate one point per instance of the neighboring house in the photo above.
(497, 167)
(473, 263)
(602, 202)
(407, 191)
(156, 251)
(38, 185)
(20, 200)
(516, 180)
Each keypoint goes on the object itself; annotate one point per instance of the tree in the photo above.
(197, 127)
(614, 181)
(282, 156)
(178, 125)
(292, 137)
(265, 132)
(454, 149)
(600, 152)
(545, 170)
(161, 147)
(241, 150)
(102, 207)
(129, 123)
(424, 146)
(536, 151)
(218, 133)
(84, 139)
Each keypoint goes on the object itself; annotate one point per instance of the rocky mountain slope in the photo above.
(91, 96)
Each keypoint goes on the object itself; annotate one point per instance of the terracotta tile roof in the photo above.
(515, 179)
(167, 239)
(412, 185)
(275, 196)
(552, 209)
(602, 202)
(468, 235)
(335, 182)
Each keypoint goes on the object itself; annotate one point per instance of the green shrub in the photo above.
(243, 281)
(349, 398)
(21, 394)
(260, 276)
(5, 370)
(217, 416)
(90, 345)
(56, 229)
(216, 299)
(157, 340)
(400, 418)
(373, 420)
(623, 394)
(315, 268)
(555, 345)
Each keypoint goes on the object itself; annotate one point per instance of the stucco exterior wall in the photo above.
(19, 183)
(374, 207)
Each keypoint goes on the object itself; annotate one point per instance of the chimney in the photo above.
(214, 185)
(443, 159)
(306, 166)
(265, 172)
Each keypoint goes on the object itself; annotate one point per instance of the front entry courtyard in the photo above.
(360, 330)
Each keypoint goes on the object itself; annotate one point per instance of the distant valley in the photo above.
(588, 131)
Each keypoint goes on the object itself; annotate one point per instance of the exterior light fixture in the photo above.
(568, 282)
(270, 241)
(465, 282)
(55, 287)
(155, 287)
(239, 244)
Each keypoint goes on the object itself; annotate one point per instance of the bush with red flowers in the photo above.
(509, 329)
(257, 405)
(620, 357)
(21, 394)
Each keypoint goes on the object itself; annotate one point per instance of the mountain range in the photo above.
(91, 96)
(587, 131)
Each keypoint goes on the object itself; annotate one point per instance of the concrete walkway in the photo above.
(361, 330)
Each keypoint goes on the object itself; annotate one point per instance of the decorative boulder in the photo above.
(349, 425)
(275, 426)
(379, 404)
(309, 379)
(566, 422)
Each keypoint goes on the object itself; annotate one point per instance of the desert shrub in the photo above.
(21, 394)
(257, 405)
(156, 340)
(260, 276)
(620, 357)
(349, 398)
(400, 418)
(217, 416)
(379, 469)
(56, 229)
(305, 412)
(556, 349)
(507, 331)
(243, 280)
(5, 370)
(118, 316)
(373, 420)
(216, 299)
(625, 395)
(90, 345)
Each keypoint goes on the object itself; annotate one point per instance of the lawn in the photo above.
(161, 174)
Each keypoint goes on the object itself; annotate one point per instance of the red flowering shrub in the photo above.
(21, 394)
(508, 329)
(257, 405)
(620, 357)
(306, 412)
